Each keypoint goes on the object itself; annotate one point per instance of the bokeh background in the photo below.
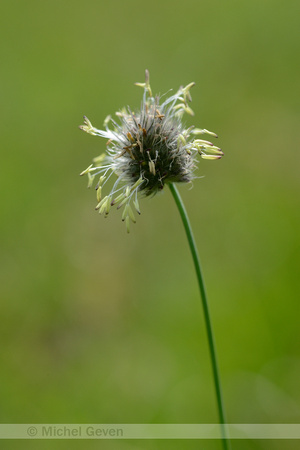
(98, 326)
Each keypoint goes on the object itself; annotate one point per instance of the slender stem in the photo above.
(211, 343)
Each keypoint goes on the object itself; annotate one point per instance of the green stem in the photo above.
(216, 376)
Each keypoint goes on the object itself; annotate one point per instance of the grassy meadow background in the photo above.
(98, 326)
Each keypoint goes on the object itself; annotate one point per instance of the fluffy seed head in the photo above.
(147, 149)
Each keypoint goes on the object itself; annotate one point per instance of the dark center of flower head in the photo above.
(151, 151)
(146, 150)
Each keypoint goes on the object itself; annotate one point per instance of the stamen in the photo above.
(99, 194)
(203, 131)
(131, 215)
(90, 180)
(151, 167)
(210, 156)
(130, 137)
(125, 212)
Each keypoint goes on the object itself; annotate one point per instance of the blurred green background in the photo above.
(98, 326)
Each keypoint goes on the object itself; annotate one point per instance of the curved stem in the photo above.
(211, 343)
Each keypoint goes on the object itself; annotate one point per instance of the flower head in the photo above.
(146, 150)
